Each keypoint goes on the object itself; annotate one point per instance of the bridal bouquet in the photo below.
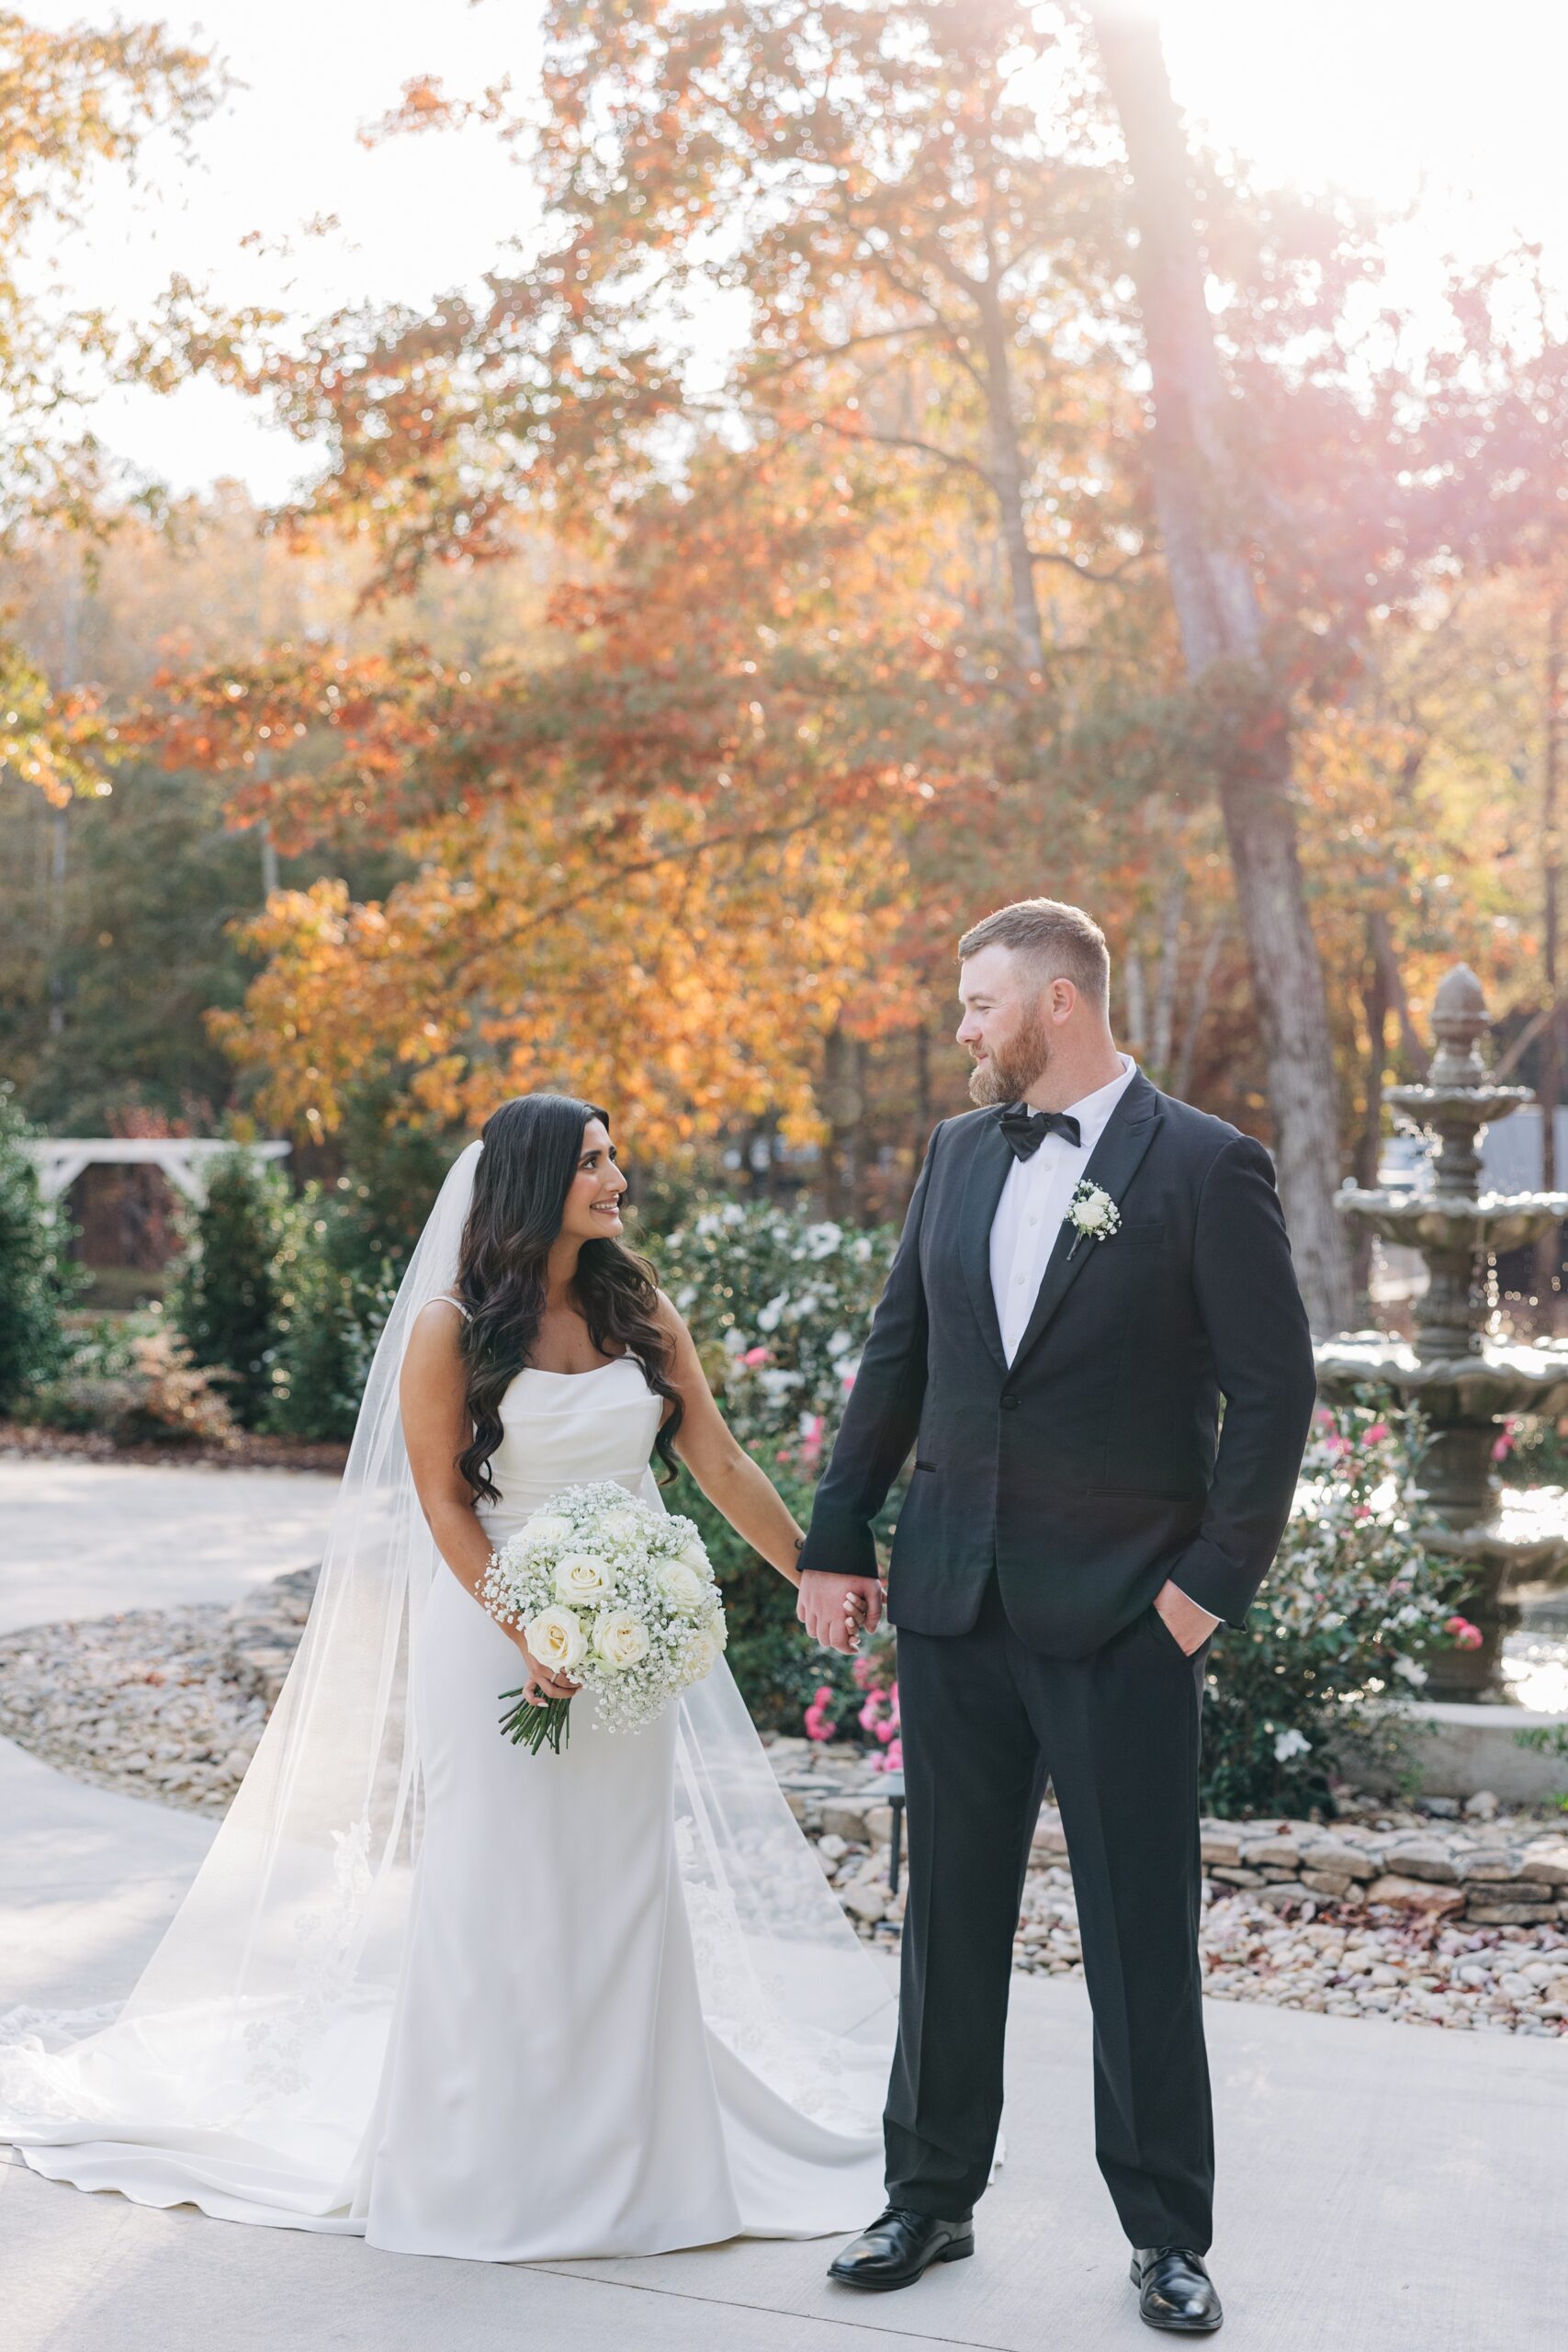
(619, 1596)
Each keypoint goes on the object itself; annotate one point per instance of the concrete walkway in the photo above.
(83, 1539)
(1382, 2188)
(88, 1881)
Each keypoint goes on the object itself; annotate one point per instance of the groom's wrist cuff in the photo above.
(1213, 1581)
(838, 1550)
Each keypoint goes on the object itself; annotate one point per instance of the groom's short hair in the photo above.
(1061, 941)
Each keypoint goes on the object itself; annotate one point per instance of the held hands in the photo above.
(836, 1610)
(1190, 1626)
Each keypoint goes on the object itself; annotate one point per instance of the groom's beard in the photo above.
(1014, 1067)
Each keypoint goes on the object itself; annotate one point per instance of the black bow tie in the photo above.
(1026, 1130)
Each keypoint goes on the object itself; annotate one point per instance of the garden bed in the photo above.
(1453, 1918)
(249, 1450)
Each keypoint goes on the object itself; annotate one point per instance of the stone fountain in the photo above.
(1462, 1374)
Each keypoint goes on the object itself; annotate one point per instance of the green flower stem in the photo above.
(529, 1727)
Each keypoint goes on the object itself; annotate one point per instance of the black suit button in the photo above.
(1009, 1404)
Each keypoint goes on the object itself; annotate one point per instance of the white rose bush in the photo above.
(779, 1305)
(618, 1595)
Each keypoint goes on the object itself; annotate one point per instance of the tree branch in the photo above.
(1084, 571)
(908, 441)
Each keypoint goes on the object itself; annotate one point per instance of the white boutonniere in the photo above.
(1092, 1214)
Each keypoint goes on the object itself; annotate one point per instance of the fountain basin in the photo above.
(1465, 1098)
(1513, 1377)
(1526, 1536)
(1455, 1221)
(1450, 1748)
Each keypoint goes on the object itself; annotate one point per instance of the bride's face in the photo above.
(594, 1205)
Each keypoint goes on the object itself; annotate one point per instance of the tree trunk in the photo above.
(1208, 966)
(840, 1104)
(1221, 624)
(1377, 1002)
(1163, 1027)
(1006, 470)
(1549, 1248)
(1137, 1005)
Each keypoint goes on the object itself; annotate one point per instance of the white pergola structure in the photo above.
(183, 1159)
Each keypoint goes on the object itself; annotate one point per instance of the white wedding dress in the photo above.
(553, 2088)
(465, 2000)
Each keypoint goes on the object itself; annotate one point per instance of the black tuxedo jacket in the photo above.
(1094, 1466)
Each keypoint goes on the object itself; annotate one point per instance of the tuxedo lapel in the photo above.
(1111, 1165)
(989, 1166)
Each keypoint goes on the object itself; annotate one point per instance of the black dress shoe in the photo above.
(1175, 2291)
(898, 2246)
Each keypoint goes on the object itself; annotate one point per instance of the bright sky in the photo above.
(1432, 100)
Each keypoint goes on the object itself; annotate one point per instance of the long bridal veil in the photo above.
(249, 2054)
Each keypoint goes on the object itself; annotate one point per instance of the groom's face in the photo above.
(1004, 1030)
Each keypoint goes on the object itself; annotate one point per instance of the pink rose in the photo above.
(819, 1723)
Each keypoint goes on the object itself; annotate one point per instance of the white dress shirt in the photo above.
(1034, 1200)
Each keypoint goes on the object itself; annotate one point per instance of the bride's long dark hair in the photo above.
(532, 1146)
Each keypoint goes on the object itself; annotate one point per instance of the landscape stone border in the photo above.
(1434, 1916)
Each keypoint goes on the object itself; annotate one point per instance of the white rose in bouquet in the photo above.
(556, 1639)
(620, 1639)
(686, 1588)
(608, 1589)
(544, 1529)
(582, 1579)
(704, 1654)
(615, 1526)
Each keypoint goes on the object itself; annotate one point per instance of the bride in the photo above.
(429, 1988)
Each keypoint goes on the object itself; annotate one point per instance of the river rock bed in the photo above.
(1436, 1917)
(1433, 1920)
(146, 1703)
(167, 1703)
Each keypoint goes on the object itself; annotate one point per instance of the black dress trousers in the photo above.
(985, 1718)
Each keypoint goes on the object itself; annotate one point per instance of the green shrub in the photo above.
(143, 1389)
(332, 1300)
(394, 1171)
(38, 1281)
(779, 1307)
(224, 1299)
(1353, 1605)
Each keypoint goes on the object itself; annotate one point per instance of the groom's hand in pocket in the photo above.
(835, 1610)
(1190, 1626)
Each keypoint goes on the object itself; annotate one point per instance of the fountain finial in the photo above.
(1459, 1020)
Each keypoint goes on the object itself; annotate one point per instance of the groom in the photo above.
(1086, 1268)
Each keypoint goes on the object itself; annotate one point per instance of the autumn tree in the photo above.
(657, 863)
(916, 205)
(930, 493)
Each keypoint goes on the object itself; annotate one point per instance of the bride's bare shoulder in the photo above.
(668, 1317)
(443, 1299)
(434, 1342)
